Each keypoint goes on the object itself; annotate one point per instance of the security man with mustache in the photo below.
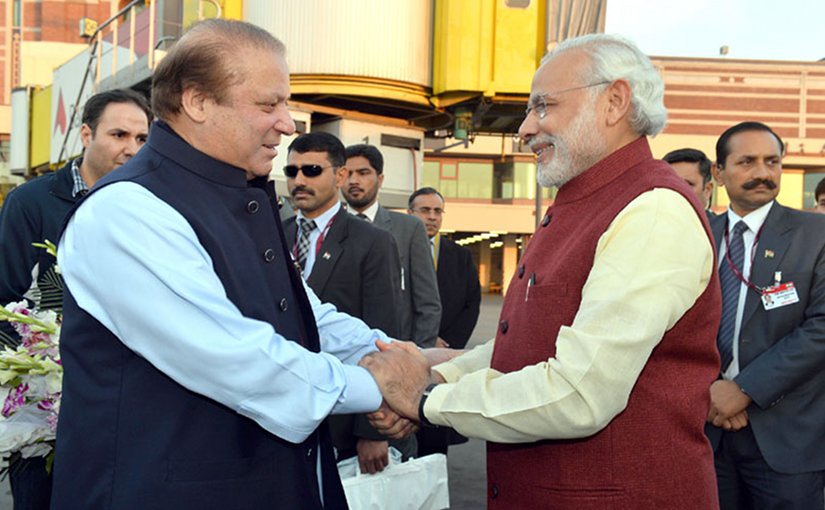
(767, 413)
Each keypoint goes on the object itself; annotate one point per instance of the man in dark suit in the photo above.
(768, 408)
(460, 295)
(348, 263)
(458, 285)
(420, 307)
(694, 167)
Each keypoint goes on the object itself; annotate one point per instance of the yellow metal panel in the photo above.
(232, 9)
(457, 45)
(349, 85)
(516, 31)
(486, 46)
(41, 104)
(793, 189)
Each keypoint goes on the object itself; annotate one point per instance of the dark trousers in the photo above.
(747, 482)
(31, 484)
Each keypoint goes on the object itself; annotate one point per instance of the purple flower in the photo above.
(15, 400)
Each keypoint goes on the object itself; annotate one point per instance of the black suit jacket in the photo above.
(357, 270)
(460, 293)
(782, 351)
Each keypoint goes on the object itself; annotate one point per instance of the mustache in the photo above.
(297, 189)
(541, 139)
(757, 182)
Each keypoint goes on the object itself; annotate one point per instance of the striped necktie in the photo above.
(731, 285)
(307, 226)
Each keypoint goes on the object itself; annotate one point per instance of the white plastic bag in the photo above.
(418, 484)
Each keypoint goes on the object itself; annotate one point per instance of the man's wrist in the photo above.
(421, 417)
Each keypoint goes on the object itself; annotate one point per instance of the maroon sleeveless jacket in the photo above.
(654, 454)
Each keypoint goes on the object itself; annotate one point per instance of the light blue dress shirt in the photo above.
(135, 264)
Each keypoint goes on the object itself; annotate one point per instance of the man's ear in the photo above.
(86, 135)
(341, 176)
(194, 104)
(618, 101)
(716, 170)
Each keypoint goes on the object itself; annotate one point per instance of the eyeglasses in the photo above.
(427, 210)
(291, 171)
(539, 104)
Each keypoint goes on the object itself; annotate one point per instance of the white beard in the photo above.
(576, 149)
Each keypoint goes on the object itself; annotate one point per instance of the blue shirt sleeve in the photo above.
(170, 307)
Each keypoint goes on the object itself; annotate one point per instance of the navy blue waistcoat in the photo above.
(129, 437)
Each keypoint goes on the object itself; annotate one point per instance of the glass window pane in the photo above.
(430, 175)
(475, 180)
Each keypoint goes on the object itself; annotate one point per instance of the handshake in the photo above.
(402, 373)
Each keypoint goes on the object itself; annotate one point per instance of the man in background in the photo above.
(115, 125)
(819, 196)
(458, 286)
(694, 167)
(767, 412)
(460, 295)
(347, 262)
(420, 308)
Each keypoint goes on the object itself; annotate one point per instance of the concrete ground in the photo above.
(466, 462)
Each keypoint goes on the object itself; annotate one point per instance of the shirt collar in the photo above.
(753, 220)
(322, 220)
(78, 185)
(369, 212)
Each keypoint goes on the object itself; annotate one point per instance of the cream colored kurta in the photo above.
(650, 266)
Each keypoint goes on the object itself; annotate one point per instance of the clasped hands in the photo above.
(402, 373)
(728, 404)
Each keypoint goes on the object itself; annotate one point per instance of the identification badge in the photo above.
(779, 296)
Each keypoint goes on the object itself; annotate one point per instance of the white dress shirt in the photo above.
(754, 221)
(321, 223)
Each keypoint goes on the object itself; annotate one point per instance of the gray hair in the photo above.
(613, 57)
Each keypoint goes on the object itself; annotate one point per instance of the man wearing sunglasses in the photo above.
(594, 393)
(347, 262)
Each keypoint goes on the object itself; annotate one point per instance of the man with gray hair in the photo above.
(594, 392)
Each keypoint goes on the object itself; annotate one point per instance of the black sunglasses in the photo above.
(291, 171)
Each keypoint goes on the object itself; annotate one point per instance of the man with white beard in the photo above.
(594, 392)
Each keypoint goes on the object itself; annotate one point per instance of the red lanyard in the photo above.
(318, 243)
(734, 269)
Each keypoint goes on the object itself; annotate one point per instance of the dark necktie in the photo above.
(730, 293)
(307, 226)
(363, 217)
